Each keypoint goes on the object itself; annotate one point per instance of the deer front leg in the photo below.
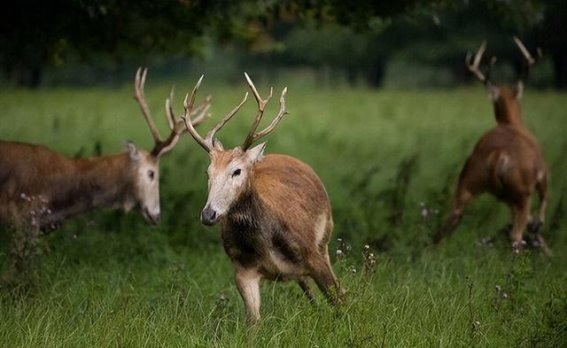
(248, 283)
(304, 285)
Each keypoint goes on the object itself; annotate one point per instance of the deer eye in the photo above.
(236, 173)
(151, 174)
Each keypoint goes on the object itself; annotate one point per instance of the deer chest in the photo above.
(270, 250)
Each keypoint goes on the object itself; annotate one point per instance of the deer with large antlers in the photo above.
(275, 214)
(507, 161)
(65, 187)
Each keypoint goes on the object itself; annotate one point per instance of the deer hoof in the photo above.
(518, 246)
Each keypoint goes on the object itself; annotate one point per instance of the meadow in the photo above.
(389, 160)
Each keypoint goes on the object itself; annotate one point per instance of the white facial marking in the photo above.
(146, 184)
(228, 176)
(226, 184)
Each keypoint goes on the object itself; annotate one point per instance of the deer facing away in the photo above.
(69, 186)
(274, 212)
(507, 162)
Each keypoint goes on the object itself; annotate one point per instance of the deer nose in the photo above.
(152, 218)
(208, 216)
(156, 219)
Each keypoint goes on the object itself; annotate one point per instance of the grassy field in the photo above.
(107, 279)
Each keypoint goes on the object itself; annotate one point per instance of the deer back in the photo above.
(506, 158)
(72, 186)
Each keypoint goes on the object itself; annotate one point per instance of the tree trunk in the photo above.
(25, 76)
(375, 73)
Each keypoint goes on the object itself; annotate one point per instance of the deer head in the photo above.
(505, 98)
(144, 164)
(230, 170)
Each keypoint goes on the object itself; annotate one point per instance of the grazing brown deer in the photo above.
(68, 186)
(275, 214)
(506, 162)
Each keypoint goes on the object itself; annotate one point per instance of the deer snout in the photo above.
(209, 216)
(153, 218)
(156, 219)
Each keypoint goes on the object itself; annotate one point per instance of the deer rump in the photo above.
(29, 170)
(506, 162)
(293, 219)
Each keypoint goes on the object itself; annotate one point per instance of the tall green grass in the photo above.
(107, 279)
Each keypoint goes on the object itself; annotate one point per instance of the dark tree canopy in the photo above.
(39, 33)
(359, 37)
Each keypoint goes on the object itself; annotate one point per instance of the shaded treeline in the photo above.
(358, 41)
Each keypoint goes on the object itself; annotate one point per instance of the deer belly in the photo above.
(270, 263)
(277, 267)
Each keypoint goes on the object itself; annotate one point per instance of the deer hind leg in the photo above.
(323, 275)
(541, 188)
(462, 198)
(520, 213)
(534, 227)
(248, 284)
(304, 285)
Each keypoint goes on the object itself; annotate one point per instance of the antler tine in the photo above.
(524, 50)
(170, 116)
(252, 135)
(139, 95)
(211, 134)
(188, 106)
(282, 112)
(261, 106)
(202, 111)
(530, 60)
(474, 67)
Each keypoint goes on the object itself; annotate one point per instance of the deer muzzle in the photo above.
(209, 216)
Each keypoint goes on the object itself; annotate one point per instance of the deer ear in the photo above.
(256, 153)
(493, 92)
(132, 151)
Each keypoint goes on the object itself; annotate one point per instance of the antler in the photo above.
(176, 127)
(208, 142)
(474, 66)
(139, 83)
(252, 135)
(529, 59)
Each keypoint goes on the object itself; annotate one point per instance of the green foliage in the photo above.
(386, 158)
(58, 32)
(355, 40)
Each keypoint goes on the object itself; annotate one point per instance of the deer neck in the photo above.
(248, 209)
(507, 112)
